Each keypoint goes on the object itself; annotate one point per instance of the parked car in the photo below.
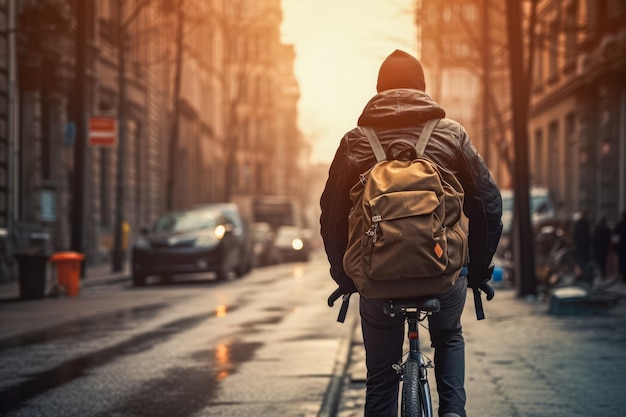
(211, 238)
(292, 244)
(541, 207)
(263, 239)
(542, 210)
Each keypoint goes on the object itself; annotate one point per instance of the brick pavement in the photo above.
(523, 362)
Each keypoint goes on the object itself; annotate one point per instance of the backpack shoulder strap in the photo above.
(420, 146)
(379, 152)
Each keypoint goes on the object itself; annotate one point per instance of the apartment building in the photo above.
(577, 123)
(202, 113)
(463, 51)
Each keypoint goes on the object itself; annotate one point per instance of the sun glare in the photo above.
(339, 48)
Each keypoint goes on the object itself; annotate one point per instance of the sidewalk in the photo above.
(517, 342)
(20, 317)
(95, 275)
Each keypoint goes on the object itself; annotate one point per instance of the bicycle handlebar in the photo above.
(478, 303)
(488, 290)
(344, 304)
(334, 296)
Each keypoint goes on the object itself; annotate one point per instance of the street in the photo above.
(263, 345)
(267, 345)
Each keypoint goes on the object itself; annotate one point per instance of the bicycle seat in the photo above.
(426, 304)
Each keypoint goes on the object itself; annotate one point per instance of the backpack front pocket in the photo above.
(406, 237)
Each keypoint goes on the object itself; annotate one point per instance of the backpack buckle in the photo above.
(362, 179)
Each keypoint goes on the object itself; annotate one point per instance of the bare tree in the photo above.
(179, 48)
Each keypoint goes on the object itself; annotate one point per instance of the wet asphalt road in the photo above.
(263, 345)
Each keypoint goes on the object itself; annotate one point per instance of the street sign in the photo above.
(102, 131)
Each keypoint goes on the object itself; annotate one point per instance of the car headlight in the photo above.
(220, 231)
(297, 244)
(142, 243)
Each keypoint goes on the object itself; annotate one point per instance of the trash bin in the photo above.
(68, 266)
(32, 275)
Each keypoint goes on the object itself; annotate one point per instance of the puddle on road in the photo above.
(14, 397)
(225, 358)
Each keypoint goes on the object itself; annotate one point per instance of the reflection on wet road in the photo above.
(249, 347)
(39, 383)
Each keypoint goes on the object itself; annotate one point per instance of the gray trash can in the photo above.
(32, 270)
(32, 266)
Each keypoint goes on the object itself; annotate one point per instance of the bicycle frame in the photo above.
(416, 398)
(413, 317)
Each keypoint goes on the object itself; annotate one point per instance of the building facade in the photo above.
(577, 123)
(202, 113)
(577, 119)
(465, 63)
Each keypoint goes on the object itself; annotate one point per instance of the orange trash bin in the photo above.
(68, 270)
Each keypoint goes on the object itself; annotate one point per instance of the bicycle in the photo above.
(415, 400)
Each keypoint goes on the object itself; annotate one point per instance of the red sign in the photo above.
(102, 131)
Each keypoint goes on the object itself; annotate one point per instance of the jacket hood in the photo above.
(402, 107)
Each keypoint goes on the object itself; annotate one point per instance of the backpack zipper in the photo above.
(372, 230)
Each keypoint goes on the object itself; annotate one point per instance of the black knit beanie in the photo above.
(400, 70)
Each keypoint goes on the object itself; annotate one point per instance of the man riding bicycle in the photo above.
(399, 110)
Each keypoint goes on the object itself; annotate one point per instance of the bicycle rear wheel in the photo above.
(415, 394)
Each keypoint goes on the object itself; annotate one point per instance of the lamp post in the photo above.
(83, 10)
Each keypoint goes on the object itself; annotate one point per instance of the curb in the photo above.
(330, 403)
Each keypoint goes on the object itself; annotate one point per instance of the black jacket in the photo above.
(401, 113)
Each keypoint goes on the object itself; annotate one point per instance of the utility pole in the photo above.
(13, 124)
(83, 13)
(523, 244)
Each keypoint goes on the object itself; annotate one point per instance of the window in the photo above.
(571, 150)
(571, 14)
(460, 84)
(554, 160)
(460, 49)
(553, 49)
(538, 76)
(470, 12)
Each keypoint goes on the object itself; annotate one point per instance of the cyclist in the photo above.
(400, 107)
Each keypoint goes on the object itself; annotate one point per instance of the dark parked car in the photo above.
(211, 238)
(292, 244)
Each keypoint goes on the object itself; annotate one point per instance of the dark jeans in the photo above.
(383, 337)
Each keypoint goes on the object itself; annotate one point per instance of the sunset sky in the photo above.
(340, 45)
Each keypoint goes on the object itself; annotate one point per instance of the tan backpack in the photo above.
(405, 237)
